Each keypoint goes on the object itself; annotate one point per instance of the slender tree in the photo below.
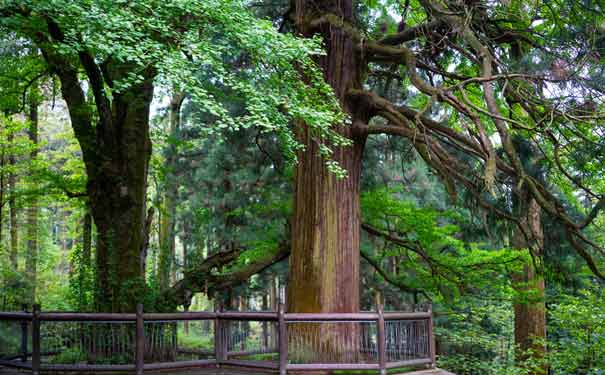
(12, 206)
(167, 256)
(31, 259)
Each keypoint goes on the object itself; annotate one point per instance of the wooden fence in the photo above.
(274, 341)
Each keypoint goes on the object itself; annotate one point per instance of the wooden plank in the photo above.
(180, 364)
(180, 316)
(382, 355)
(86, 317)
(329, 317)
(432, 351)
(253, 316)
(252, 364)
(239, 353)
(86, 368)
(15, 364)
(36, 340)
(409, 362)
(15, 315)
(333, 366)
(283, 341)
(407, 315)
(140, 341)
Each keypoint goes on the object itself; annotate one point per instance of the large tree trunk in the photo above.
(324, 263)
(116, 151)
(117, 186)
(31, 260)
(530, 309)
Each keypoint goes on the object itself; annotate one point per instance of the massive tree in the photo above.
(459, 100)
(324, 265)
(465, 103)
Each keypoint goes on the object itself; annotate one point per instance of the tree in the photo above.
(31, 260)
(325, 226)
(170, 42)
(450, 55)
(167, 256)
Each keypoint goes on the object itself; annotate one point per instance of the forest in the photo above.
(330, 156)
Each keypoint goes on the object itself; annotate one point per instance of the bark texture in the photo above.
(87, 240)
(167, 258)
(31, 259)
(325, 259)
(12, 205)
(530, 309)
(117, 185)
(324, 264)
(2, 197)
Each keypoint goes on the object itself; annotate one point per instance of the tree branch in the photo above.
(203, 277)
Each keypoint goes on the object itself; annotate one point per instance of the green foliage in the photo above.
(81, 281)
(429, 249)
(195, 340)
(69, 356)
(274, 73)
(577, 334)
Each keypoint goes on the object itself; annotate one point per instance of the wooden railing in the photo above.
(275, 341)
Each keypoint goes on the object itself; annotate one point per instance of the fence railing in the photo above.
(275, 341)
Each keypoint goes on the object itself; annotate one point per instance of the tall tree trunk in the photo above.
(324, 262)
(530, 308)
(31, 260)
(117, 186)
(12, 205)
(87, 239)
(185, 239)
(167, 262)
(2, 194)
(116, 147)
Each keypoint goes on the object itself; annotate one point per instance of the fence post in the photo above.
(218, 337)
(24, 336)
(140, 341)
(431, 338)
(283, 340)
(36, 340)
(382, 355)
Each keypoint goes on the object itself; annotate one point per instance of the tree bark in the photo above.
(116, 153)
(31, 260)
(12, 205)
(324, 264)
(167, 259)
(2, 194)
(530, 308)
(87, 239)
(117, 185)
(325, 260)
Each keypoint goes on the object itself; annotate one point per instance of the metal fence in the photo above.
(276, 341)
